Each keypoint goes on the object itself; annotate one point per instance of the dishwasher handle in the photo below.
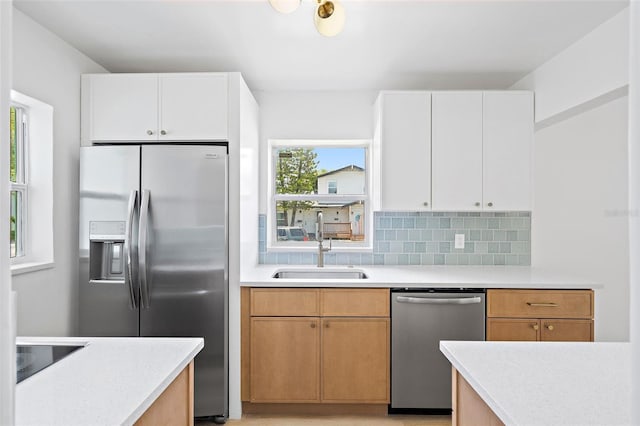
(440, 301)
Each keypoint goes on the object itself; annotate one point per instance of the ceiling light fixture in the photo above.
(328, 16)
(285, 6)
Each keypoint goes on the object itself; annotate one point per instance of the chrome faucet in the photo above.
(320, 238)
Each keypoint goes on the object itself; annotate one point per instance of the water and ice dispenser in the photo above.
(106, 252)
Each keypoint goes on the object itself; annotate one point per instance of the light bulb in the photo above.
(329, 17)
(285, 6)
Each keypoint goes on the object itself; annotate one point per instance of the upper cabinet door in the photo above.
(123, 107)
(405, 151)
(457, 151)
(508, 141)
(193, 107)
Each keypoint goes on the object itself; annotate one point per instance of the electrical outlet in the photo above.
(459, 241)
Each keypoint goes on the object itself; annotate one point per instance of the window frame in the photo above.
(273, 245)
(335, 186)
(21, 185)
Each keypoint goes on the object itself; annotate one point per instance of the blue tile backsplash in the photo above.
(427, 238)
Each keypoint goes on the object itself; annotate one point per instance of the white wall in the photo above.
(311, 115)
(593, 66)
(579, 222)
(634, 203)
(48, 69)
(7, 327)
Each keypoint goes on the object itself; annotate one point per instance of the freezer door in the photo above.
(183, 228)
(109, 180)
(420, 373)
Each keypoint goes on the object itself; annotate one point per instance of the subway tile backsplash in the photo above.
(427, 238)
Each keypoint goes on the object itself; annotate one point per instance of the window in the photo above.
(31, 184)
(18, 179)
(304, 179)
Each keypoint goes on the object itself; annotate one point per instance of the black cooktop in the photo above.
(33, 358)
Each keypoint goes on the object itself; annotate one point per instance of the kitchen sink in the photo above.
(314, 274)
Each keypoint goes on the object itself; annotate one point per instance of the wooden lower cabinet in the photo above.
(540, 315)
(468, 408)
(285, 361)
(504, 329)
(338, 357)
(174, 406)
(563, 330)
(355, 360)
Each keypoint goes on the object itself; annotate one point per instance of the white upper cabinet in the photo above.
(457, 150)
(193, 106)
(122, 107)
(402, 148)
(507, 150)
(154, 107)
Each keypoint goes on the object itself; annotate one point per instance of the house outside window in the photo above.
(304, 180)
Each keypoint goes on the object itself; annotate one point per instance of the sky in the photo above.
(336, 158)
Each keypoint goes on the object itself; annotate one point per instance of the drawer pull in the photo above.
(549, 327)
(535, 327)
(313, 325)
(543, 304)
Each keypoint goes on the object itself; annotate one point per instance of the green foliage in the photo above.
(296, 173)
(13, 161)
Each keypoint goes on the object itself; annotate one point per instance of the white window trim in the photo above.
(38, 168)
(273, 245)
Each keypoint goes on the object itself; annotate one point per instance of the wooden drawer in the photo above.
(285, 302)
(557, 330)
(540, 303)
(354, 302)
(513, 329)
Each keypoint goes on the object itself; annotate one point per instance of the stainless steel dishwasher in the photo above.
(420, 373)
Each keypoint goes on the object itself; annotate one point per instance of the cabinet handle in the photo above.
(535, 327)
(313, 325)
(549, 327)
(163, 132)
(150, 132)
(543, 304)
(425, 204)
(326, 325)
(490, 204)
(477, 203)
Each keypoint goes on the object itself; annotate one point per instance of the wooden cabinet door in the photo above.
(563, 330)
(193, 107)
(507, 150)
(405, 150)
(285, 361)
(513, 329)
(123, 107)
(355, 360)
(456, 144)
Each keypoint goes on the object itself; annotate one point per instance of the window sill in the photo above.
(23, 268)
(314, 249)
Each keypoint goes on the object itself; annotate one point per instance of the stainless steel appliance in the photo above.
(31, 359)
(154, 250)
(420, 373)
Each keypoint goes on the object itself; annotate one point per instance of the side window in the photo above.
(18, 180)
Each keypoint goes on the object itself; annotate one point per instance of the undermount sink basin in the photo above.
(314, 274)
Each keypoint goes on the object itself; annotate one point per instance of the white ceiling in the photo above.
(385, 44)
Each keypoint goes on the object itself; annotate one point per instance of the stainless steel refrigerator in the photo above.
(154, 252)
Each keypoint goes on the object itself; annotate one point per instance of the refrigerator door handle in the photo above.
(142, 247)
(133, 198)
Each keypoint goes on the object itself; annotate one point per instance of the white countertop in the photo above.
(111, 381)
(548, 383)
(423, 276)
